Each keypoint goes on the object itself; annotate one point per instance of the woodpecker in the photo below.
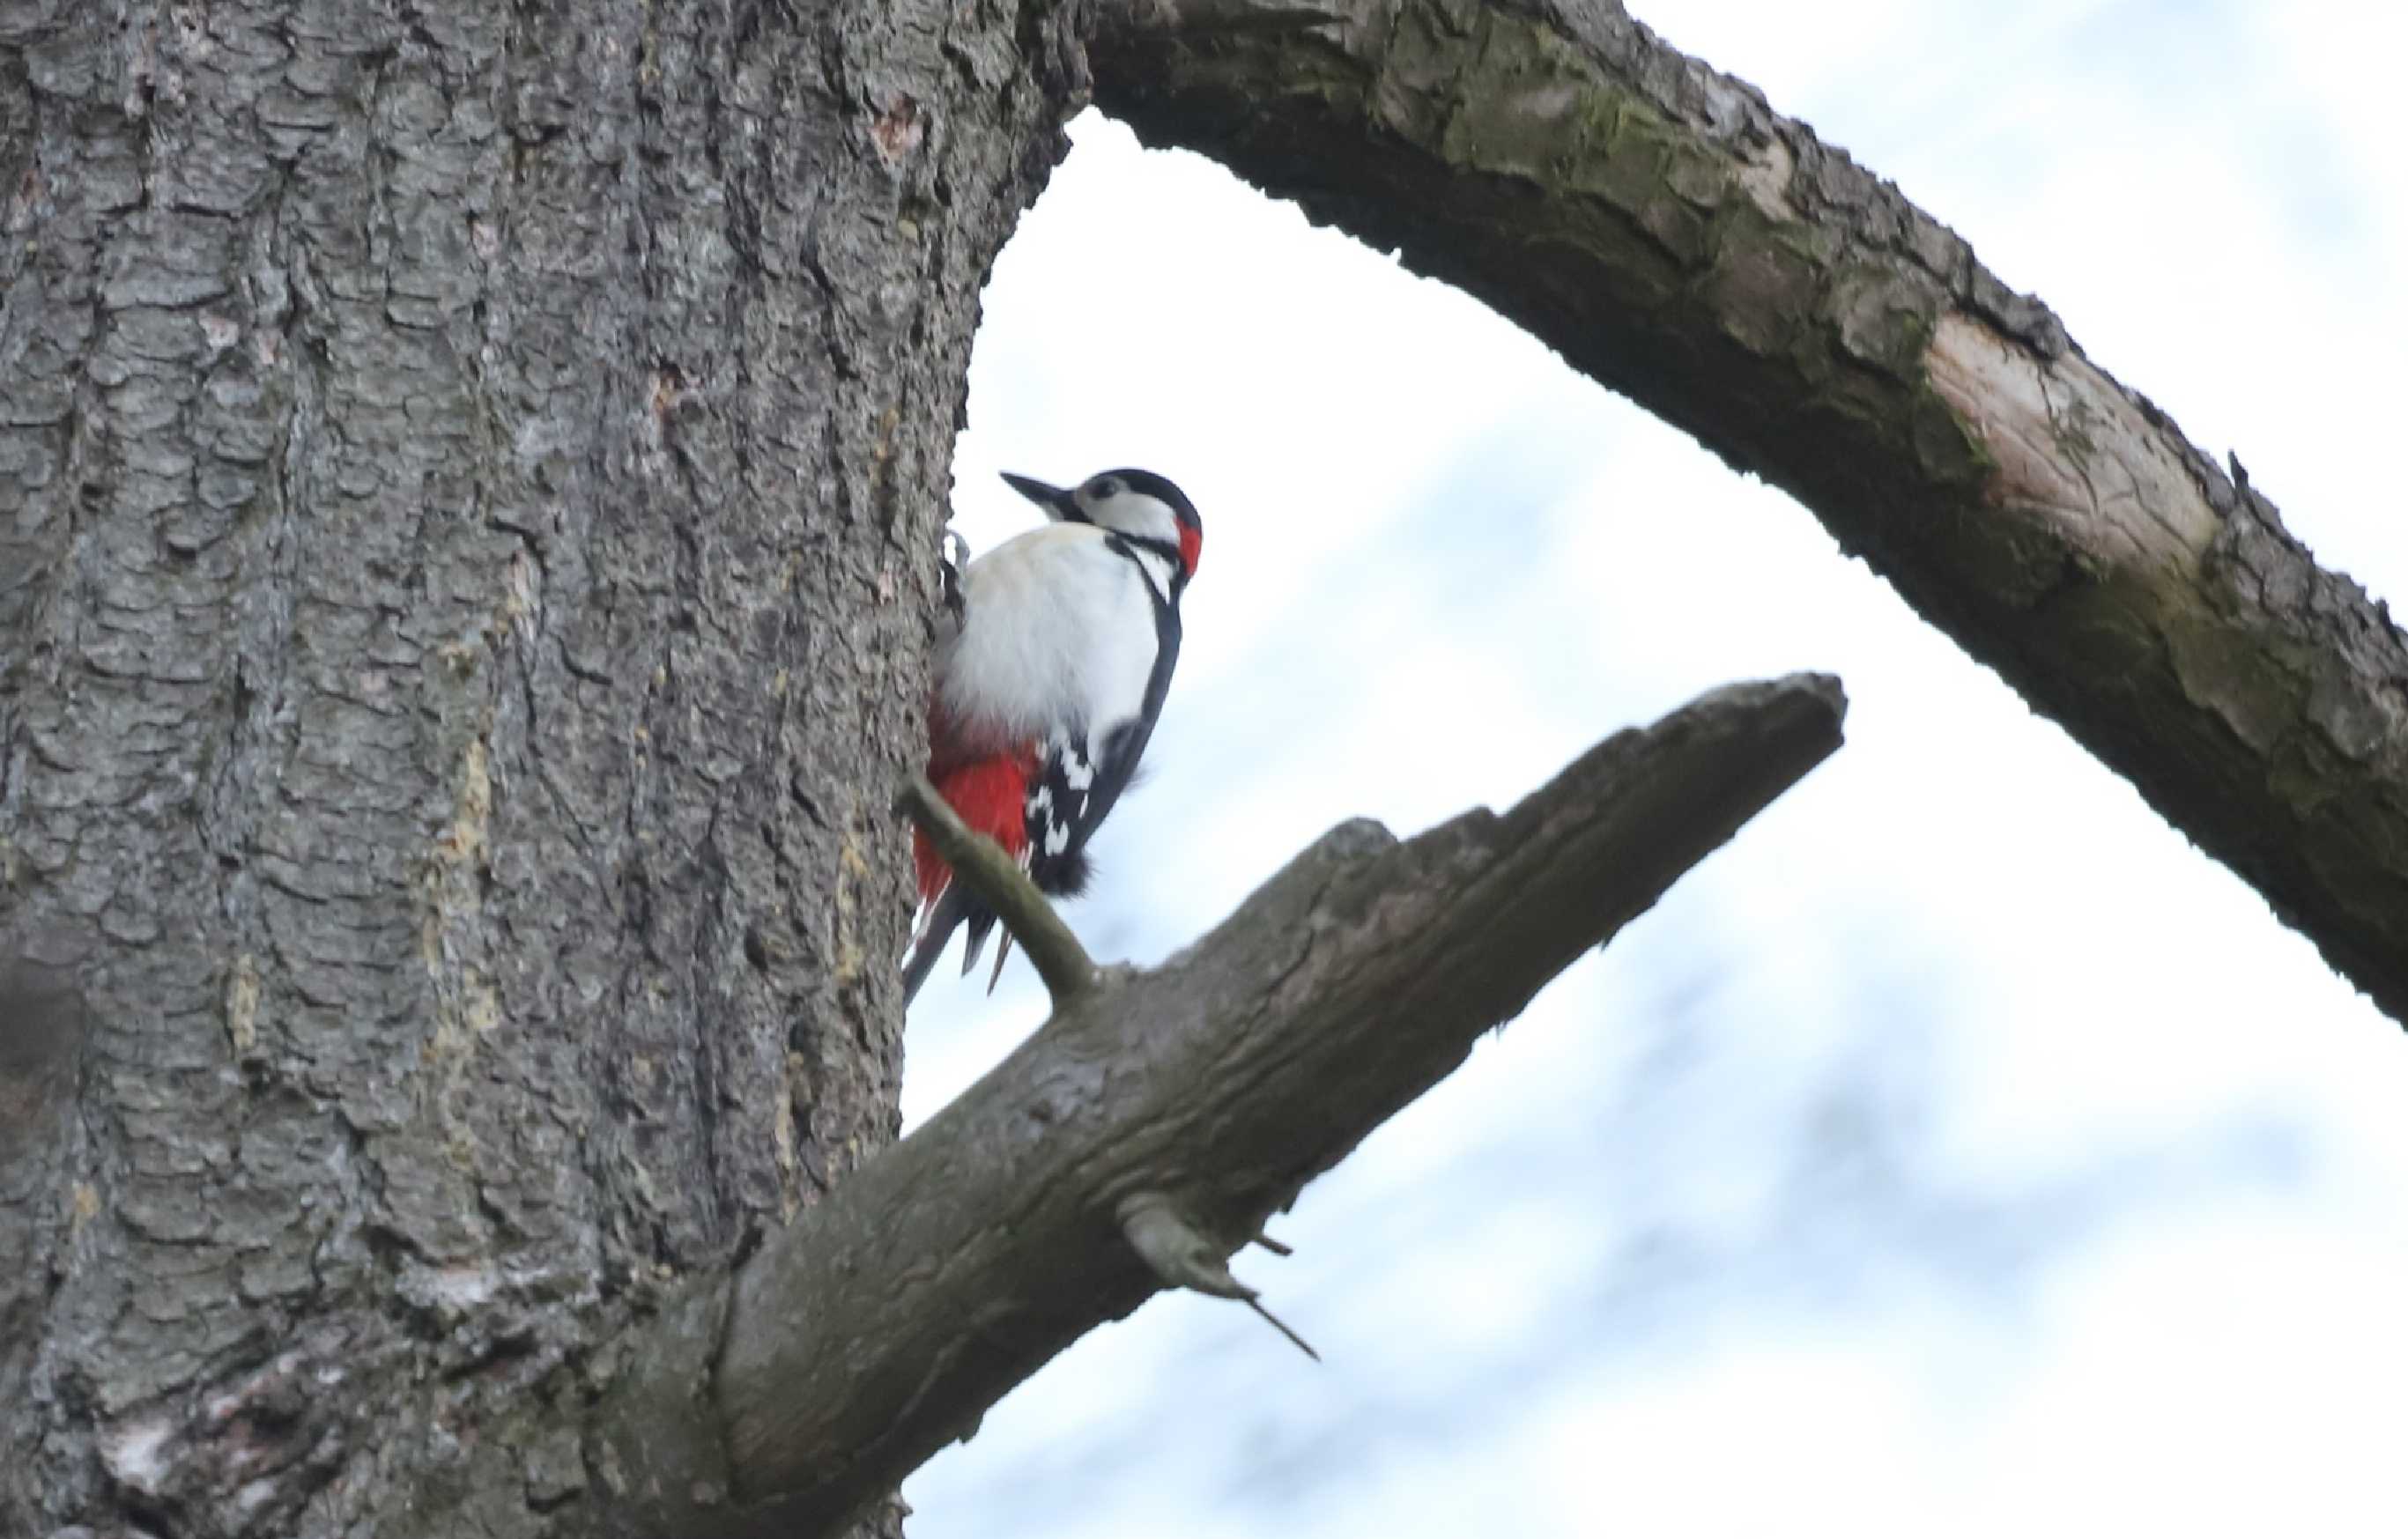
(1049, 680)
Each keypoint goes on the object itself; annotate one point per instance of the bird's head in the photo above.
(1137, 505)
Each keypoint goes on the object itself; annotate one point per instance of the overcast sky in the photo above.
(1957, 1152)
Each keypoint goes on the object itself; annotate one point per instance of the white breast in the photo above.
(1058, 632)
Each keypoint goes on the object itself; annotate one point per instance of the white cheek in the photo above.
(1134, 513)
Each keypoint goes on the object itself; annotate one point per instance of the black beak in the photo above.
(1058, 503)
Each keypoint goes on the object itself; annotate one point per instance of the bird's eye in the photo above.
(1109, 486)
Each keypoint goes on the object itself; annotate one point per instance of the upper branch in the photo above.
(1677, 239)
(1151, 1126)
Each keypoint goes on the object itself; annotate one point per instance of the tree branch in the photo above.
(981, 862)
(1166, 1112)
(1680, 242)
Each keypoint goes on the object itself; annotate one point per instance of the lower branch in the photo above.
(883, 1322)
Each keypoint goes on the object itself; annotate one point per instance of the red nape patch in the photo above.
(1191, 545)
(990, 795)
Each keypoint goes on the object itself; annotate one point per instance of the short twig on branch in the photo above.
(1000, 882)
(883, 1321)
(1182, 1258)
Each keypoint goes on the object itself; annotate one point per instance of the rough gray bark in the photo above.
(1682, 243)
(468, 479)
(1201, 1096)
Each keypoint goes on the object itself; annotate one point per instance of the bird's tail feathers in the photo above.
(975, 942)
(956, 907)
(981, 923)
(952, 905)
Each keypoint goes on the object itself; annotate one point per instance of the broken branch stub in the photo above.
(885, 1321)
(1182, 1258)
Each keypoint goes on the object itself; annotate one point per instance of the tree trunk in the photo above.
(468, 478)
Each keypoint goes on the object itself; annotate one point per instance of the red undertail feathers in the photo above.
(990, 795)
